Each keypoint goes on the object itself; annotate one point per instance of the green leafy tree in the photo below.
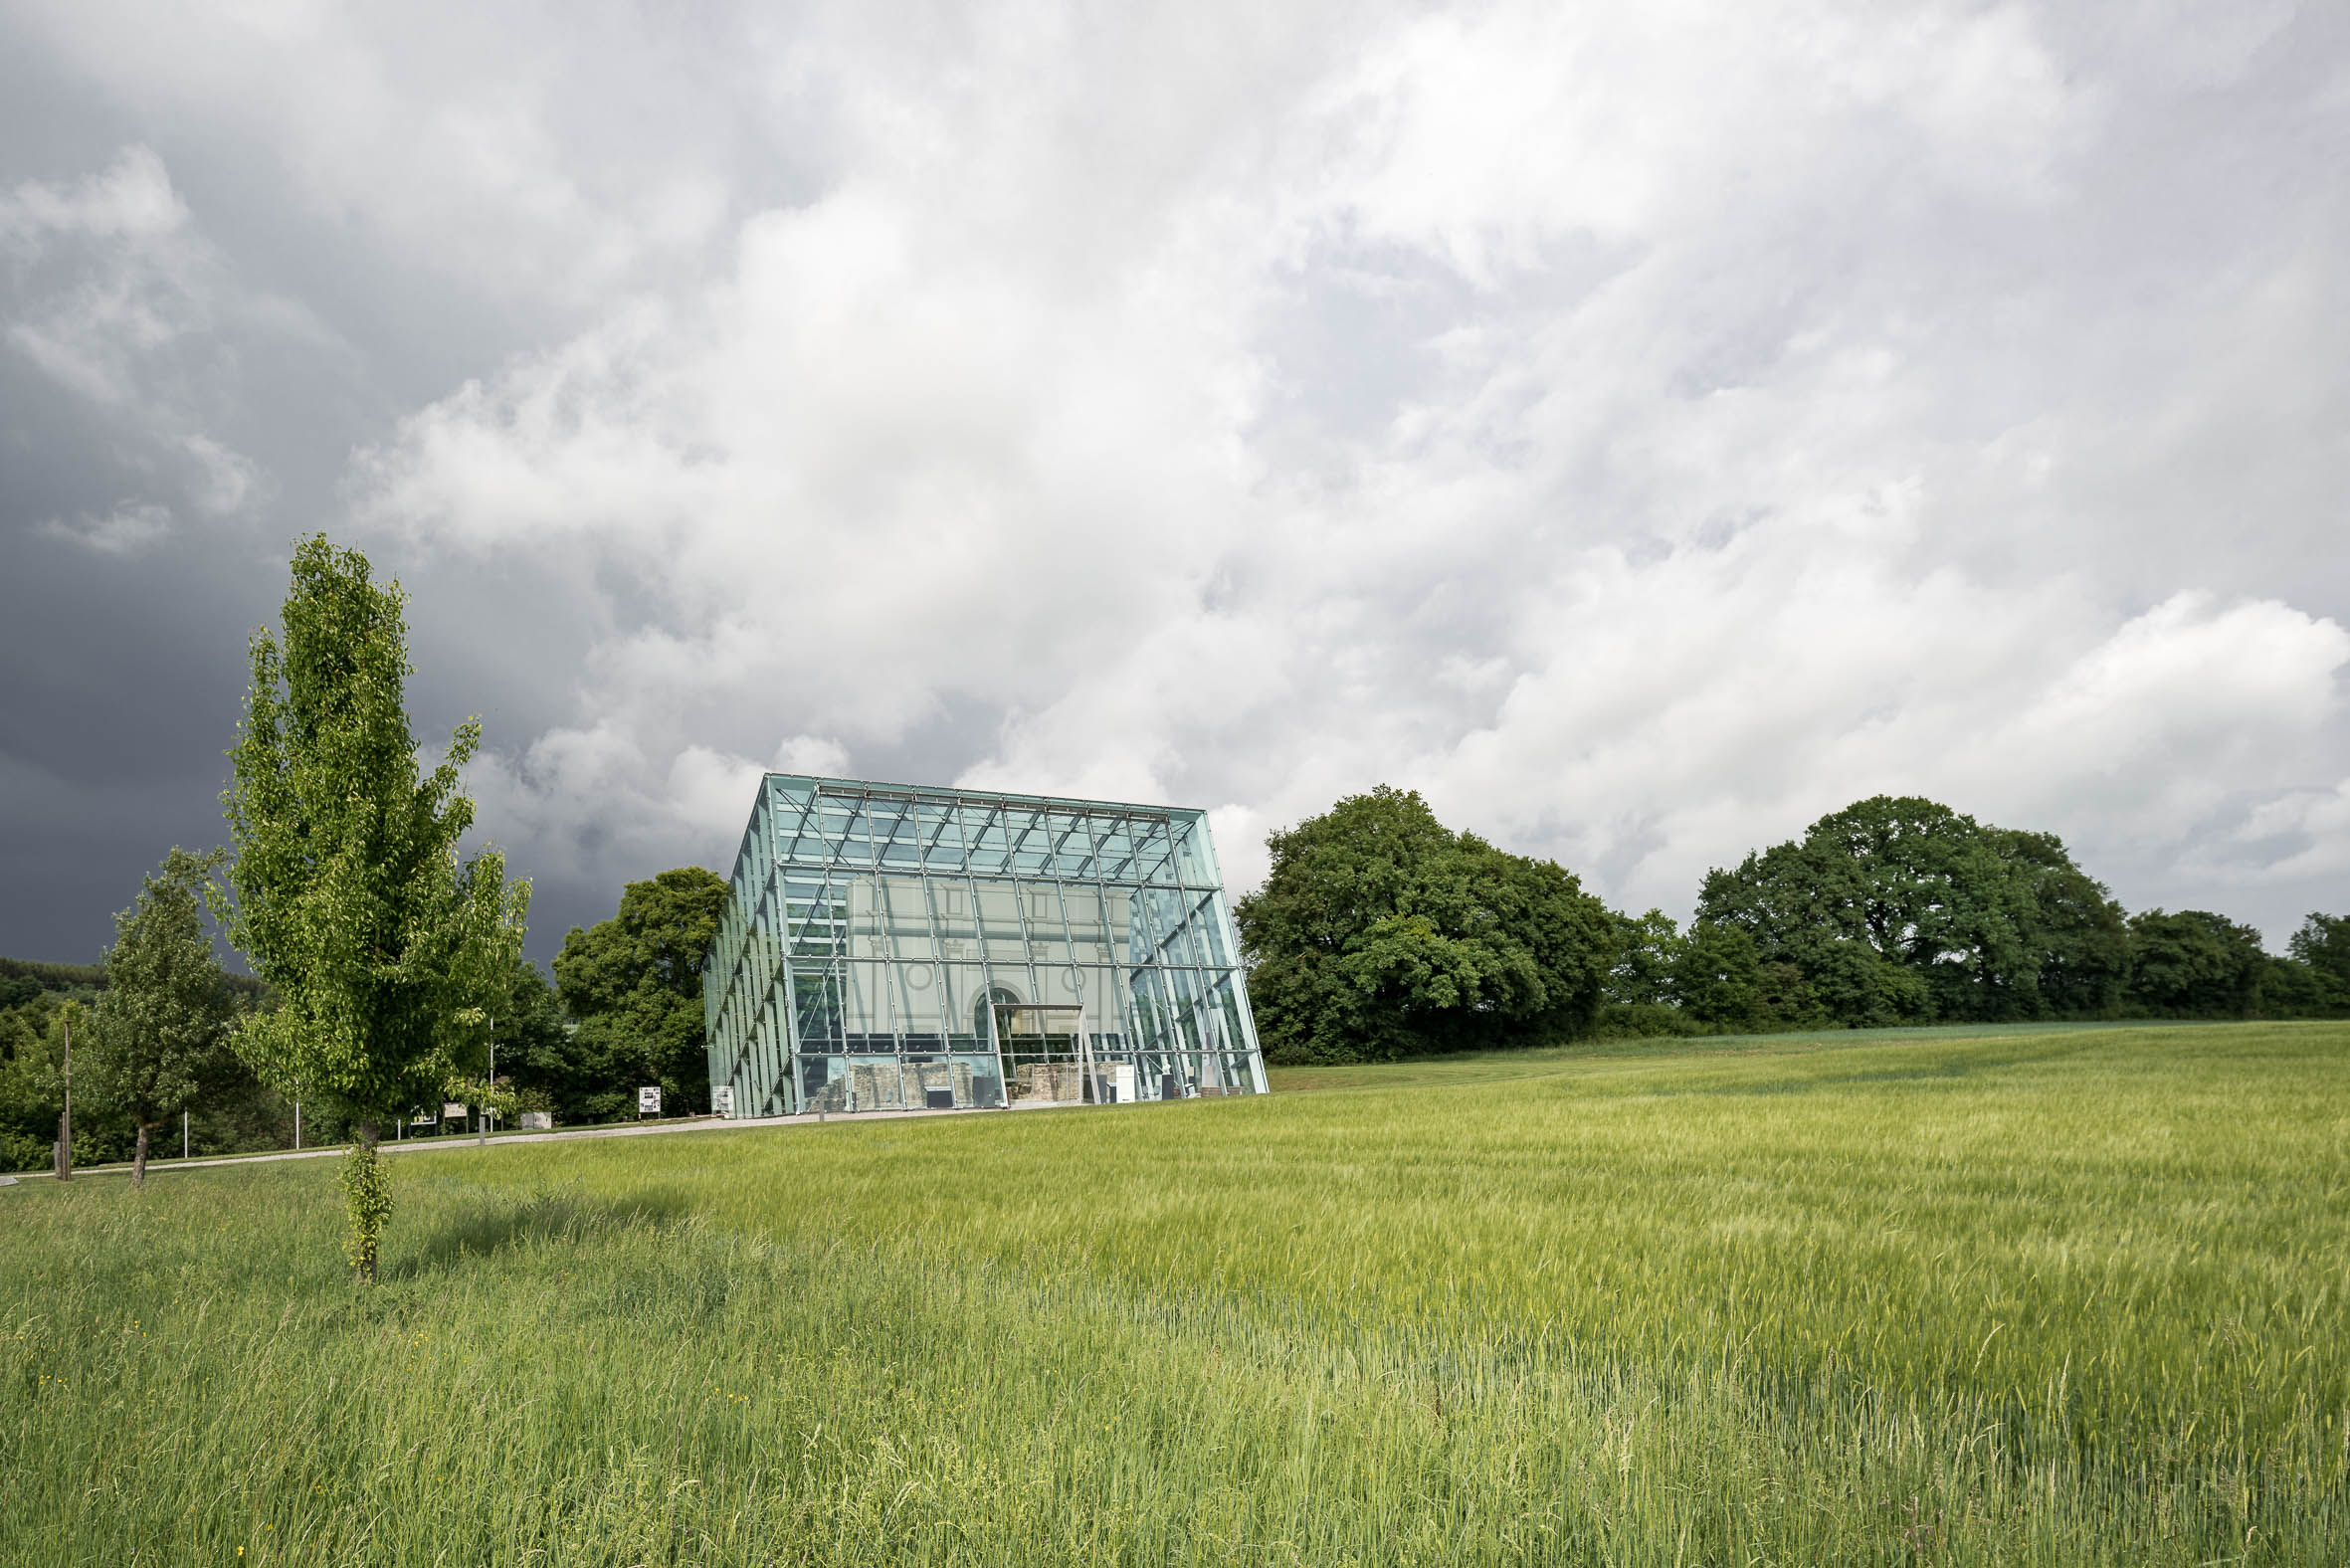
(1380, 933)
(163, 1020)
(1641, 996)
(1723, 983)
(349, 893)
(1717, 977)
(32, 1086)
(1898, 909)
(538, 1051)
(2290, 988)
(1647, 947)
(2322, 946)
(28, 1089)
(2194, 964)
(633, 983)
(2080, 936)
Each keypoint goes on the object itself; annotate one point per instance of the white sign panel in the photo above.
(452, 1112)
(538, 1122)
(722, 1099)
(648, 1101)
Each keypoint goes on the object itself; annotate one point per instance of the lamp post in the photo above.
(64, 1117)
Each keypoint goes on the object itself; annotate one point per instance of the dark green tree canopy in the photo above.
(1380, 933)
(634, 984)
(1899, 909)
(2195, 964)
(2323, 943)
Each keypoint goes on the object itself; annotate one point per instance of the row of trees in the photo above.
(149, 1030)
(1380, 933)
(624, 1009)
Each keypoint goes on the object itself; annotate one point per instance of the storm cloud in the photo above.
(1643, 428)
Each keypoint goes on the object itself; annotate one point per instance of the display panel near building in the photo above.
(887, 947)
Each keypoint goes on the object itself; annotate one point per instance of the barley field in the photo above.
(2026, 1297)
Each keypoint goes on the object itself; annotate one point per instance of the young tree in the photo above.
(166, 1013)
(348, 892)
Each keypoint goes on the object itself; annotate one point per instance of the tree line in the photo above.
(1380, 933)
(621, 1010)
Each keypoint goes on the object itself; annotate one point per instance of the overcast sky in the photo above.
(1642, 428)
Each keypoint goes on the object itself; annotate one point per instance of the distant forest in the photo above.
(1382, 933)
(1379, 934)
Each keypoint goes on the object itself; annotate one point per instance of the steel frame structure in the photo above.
(888, 947)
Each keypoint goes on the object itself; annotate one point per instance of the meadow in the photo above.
(2017, 1297)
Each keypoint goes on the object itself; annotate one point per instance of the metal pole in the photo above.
(183, 1133)
(1093, 1069)
(297, 1124)
(64, 1117)
(481, 1127)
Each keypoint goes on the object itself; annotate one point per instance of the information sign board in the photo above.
(648, 1101)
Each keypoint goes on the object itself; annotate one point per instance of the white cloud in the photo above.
(223, 481)
(117, 298)
(1645, 428)
(132, 200)
(814, 757)
(129, 529)
(540, 152)
(2302, 836)
(131, 280)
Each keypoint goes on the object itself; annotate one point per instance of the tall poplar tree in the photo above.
(349, 893)
(166, 1013)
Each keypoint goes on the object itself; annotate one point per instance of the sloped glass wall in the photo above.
(892, 949)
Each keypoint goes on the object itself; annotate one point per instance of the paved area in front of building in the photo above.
(502, 1140)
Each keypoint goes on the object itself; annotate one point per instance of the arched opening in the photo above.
(983, 1023)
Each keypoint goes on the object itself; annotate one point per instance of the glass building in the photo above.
(887, 947)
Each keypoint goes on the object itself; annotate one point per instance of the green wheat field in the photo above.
(2056, 1296)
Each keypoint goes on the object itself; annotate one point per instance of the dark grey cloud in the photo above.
(1644, 428)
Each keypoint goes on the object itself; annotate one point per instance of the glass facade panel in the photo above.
(887, 948)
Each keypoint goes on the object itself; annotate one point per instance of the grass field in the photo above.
(2028, 1298)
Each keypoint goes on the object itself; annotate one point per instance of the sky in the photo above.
(1642, 428)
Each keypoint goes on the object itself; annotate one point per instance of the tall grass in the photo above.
(2030, 1298)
